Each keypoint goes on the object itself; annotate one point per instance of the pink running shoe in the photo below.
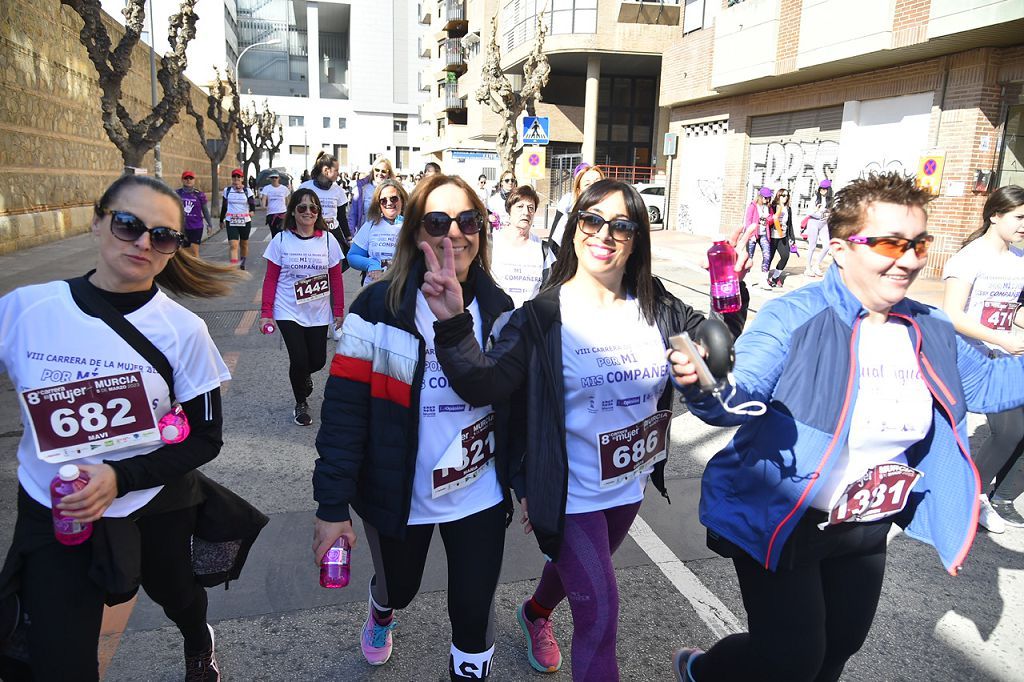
(375, 640)
(541, 647)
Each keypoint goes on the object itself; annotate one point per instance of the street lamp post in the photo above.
(238, 77)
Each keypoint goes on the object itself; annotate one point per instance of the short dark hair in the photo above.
(431, 165)
(847, 216)
(522, 192)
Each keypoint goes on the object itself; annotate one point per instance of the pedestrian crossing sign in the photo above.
(536, 130)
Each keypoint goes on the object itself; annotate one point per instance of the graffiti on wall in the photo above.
(696, 206)
(885, 165)
(800, 166)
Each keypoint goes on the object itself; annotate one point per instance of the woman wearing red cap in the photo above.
(236, 212)
(196, 212)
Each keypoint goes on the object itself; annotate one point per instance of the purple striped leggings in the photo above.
(584, 573)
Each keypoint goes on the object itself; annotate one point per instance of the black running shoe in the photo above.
(202, 666)
(309, 386)
(302, 416)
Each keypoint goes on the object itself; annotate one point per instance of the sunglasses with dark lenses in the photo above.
(382, 171)
(620, 229)
(128, 228)
(307, 208)
(511, 180)
(389, 201)
(895, 247)
(436, 223)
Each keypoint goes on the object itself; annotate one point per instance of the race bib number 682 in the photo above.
(90, 417)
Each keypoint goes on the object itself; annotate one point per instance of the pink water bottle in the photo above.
(68, 531)
(268, 328)
(725, 283)
(335, 564)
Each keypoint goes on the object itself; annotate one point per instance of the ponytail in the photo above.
(187, 275)
(1003, 200)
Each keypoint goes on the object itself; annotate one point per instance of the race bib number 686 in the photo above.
(626, 452)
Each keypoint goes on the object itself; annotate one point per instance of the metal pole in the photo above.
(668, 196)
(158, 166)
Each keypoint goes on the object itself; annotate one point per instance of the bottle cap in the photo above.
(69, 472)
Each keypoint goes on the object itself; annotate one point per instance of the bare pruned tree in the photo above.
(273, 144)
(222, 90)
(134, 139)
(496, 91)
(255, 129)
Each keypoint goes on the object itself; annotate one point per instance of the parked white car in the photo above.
(654, 199)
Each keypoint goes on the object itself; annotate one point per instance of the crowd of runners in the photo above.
(481, 369)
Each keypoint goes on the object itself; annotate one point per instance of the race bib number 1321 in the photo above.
(90, 417)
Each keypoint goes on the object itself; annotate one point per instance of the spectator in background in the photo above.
(584, 175)
(482, 190)
(430, 168)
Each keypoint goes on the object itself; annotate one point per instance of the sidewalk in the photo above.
(688, 250)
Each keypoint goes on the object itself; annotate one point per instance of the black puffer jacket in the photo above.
(369, 428)
(529, 353)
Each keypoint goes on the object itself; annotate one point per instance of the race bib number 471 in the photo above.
(90, 417)
(626, 452)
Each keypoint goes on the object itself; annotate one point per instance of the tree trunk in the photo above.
(133, 156)
(214, 191)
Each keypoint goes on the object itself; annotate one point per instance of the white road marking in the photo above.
(716, 615)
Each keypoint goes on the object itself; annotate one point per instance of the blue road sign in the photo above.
(536, 130)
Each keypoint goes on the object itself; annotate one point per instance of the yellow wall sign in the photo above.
(532, 163)
(929, 172)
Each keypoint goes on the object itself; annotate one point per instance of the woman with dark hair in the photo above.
(520, 262)
(373, 247)
(143, 494)
(404, 450)
(984, 281)
(589, 356)
(496, 202)
(236, 209)
(304, 292)
(780, 226)
(333, 200)
(867, 394)
(816, 229)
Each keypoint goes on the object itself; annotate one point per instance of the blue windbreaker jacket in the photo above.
(799, 358)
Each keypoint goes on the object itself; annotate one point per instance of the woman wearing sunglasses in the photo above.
(816, 229)
(780, 225)
(867, 394)
(496, 203)
(399, 446)
(585, 362)
(373, 247)
(142, 493)
(984, 281)
(303, 291)
(362, 197)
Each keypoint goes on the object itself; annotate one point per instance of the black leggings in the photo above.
(808, 619)
(474, 546)
(307, 353)
(780, 246)
(66, 607)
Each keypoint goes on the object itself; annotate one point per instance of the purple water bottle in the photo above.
(334, 566)
(725, 283)
(67, 530)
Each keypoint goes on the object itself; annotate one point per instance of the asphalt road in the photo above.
(276, 623)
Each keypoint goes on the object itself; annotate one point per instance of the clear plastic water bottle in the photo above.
(334, 567)
(68, 531)
(725, 283)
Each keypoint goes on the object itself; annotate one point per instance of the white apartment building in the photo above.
(341, 75)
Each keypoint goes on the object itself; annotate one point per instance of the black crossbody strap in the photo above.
(102, 309)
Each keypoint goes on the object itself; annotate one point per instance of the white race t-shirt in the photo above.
(331, 199)
(47, 341)
(564, 206)
(444, 417)
(496, 205)
(996, 283)
(237, 203)
(518, 267)
(893, 409)
(275, 198)
(615, 370)
(304, 264)
(379, 240)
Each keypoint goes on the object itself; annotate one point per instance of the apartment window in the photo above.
(296, 121)
(401, 125)
(341, 154)
(327, 121)
(402, 157)
(342, 123)
(298, 149)
(693, 15)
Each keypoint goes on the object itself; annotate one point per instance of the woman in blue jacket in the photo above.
(867, 395)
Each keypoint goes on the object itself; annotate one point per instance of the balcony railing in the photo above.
(454, 56)
(452, 100)
(452, 13)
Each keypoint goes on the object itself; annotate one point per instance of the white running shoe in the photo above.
(988, 518)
